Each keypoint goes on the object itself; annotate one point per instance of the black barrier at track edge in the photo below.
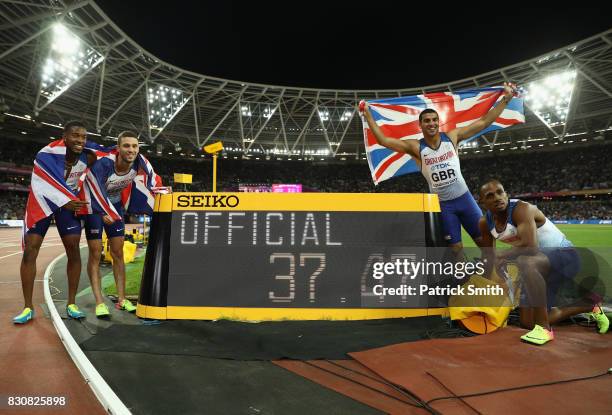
(433, 230)
(434, 238)
(154, 288)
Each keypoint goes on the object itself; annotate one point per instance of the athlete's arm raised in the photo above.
(410, 147)
(459, 134)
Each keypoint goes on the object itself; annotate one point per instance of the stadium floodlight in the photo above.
(549, 98)
(346, 115)
(324, 115)
(163, 103)
(69, 59)
(245, 110)
(468, 144)
(268, 112)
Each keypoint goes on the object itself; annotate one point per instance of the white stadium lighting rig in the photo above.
(268, 112)
(245, 111)
(324, 115)
(163, 103)
(346, 116)
(69, 59)
(549, 98)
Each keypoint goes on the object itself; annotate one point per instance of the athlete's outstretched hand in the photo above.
(362, 106)
(509, 91)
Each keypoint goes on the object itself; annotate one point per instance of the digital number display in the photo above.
(322, 259)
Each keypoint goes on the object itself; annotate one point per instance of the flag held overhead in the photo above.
(399, 118)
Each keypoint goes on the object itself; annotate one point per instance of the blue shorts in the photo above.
(94, 225)
(564, 265)
(460, 211)
(67, 223)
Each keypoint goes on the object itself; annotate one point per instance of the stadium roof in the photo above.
(119, 85)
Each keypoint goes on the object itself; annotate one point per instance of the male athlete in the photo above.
(456, 202)
(544, 255)
(112, 175)
(53, 192)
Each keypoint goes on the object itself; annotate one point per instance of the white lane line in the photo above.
(6, 256)
(106, 396)
(44, 246)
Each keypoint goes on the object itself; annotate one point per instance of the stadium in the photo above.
(299, 165)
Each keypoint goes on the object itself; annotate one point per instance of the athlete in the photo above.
(114, 173)
(456, 202)
(48, 187)
(545, 257)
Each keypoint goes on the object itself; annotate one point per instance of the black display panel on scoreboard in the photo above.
(320, 258)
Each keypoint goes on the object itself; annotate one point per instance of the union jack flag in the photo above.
(399, 118)
(48, 188)
(136, 198)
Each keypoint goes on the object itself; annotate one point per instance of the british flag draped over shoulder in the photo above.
(48, 188)
(399, 118)
(136, 198)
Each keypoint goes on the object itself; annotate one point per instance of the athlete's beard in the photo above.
(426, 133)
(72, 155)
(500, 212)
(127, 161)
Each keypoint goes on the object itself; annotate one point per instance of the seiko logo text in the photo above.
(209, 201)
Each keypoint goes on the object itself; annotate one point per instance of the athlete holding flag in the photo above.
(122, 178)
(438, 160)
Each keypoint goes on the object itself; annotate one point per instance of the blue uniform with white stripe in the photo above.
(67, 222)
(442, 170)
(563, 258)
(115, 183)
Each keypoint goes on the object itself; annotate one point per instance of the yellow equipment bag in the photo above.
(480, 314)
(129, 251)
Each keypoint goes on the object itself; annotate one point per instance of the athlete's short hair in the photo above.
(126, 133)
(490, 181)
(426, 111)
(73, 123)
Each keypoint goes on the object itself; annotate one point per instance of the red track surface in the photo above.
(443, 367)
(33, 360)
(439, 368)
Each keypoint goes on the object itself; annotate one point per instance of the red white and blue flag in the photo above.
(399, 118)
(137, 198)
(48, 188)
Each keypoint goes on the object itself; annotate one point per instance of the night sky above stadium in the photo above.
(347, 45)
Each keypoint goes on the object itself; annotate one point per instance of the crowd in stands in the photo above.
(12, 205)
(19, 152)
(521, 172)
(12, 178)
(576, 209)
(577, 168)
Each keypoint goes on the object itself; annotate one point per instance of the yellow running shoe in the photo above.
(603, 323)
(73, 312)
(26, 315)
(539, 335)
(126, 305)
(102, 311)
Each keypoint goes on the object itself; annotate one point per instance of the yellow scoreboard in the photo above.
(271, 256)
